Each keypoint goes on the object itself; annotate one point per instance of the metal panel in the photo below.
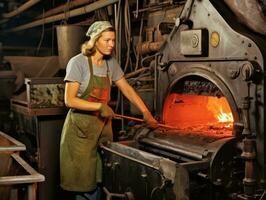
(138, 174)
(193, 42)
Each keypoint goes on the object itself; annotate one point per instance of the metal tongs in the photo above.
(117, 116)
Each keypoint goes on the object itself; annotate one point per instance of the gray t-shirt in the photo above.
(78, 70)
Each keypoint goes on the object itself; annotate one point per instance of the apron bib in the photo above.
(80, 163)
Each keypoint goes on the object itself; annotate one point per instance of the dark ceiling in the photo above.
(22, 29)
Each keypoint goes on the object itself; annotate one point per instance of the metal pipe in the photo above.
(32, 191)
(155, 106)
(20, 9)
(118, 32)
(76, 12)
(249, 152)
(148, 47)
(64, 7)
(134, 73)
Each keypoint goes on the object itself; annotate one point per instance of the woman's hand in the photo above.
(106, 111)
(149, 119)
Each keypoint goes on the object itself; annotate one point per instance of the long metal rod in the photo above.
(155, 83)
(76, 12)
(117, 116)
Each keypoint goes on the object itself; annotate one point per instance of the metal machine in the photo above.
(198, 65)
(209, 84)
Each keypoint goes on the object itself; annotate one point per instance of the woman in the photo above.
(88, 123)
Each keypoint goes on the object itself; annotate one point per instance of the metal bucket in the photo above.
(69, 40)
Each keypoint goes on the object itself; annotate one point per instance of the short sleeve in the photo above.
(116, 71)
(73, 71)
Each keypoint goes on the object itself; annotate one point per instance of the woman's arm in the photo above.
(134, 98)
(73, 101)
(131, 94)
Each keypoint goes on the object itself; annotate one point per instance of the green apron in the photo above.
(80, 163)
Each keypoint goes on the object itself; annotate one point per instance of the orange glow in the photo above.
(198, 113)
(221, 110)
(225, 117)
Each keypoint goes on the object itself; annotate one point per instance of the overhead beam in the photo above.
(72, 13)
(20, 9)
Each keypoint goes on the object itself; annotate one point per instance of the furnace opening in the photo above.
(197, 105)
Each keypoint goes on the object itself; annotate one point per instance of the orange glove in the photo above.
(148, 118)
(106, 111)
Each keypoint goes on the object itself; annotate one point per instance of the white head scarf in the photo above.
(95, 30)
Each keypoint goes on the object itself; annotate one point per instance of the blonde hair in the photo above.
(88, 48)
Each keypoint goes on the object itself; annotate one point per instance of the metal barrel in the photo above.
(69, 40)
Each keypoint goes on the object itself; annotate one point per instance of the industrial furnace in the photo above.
(209, 85)
(199, 66)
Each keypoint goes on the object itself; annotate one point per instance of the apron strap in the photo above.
(108, 72)
(90, 66)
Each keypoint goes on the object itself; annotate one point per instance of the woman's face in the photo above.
(106, 43)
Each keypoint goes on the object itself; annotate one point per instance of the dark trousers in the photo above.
(94, 195)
